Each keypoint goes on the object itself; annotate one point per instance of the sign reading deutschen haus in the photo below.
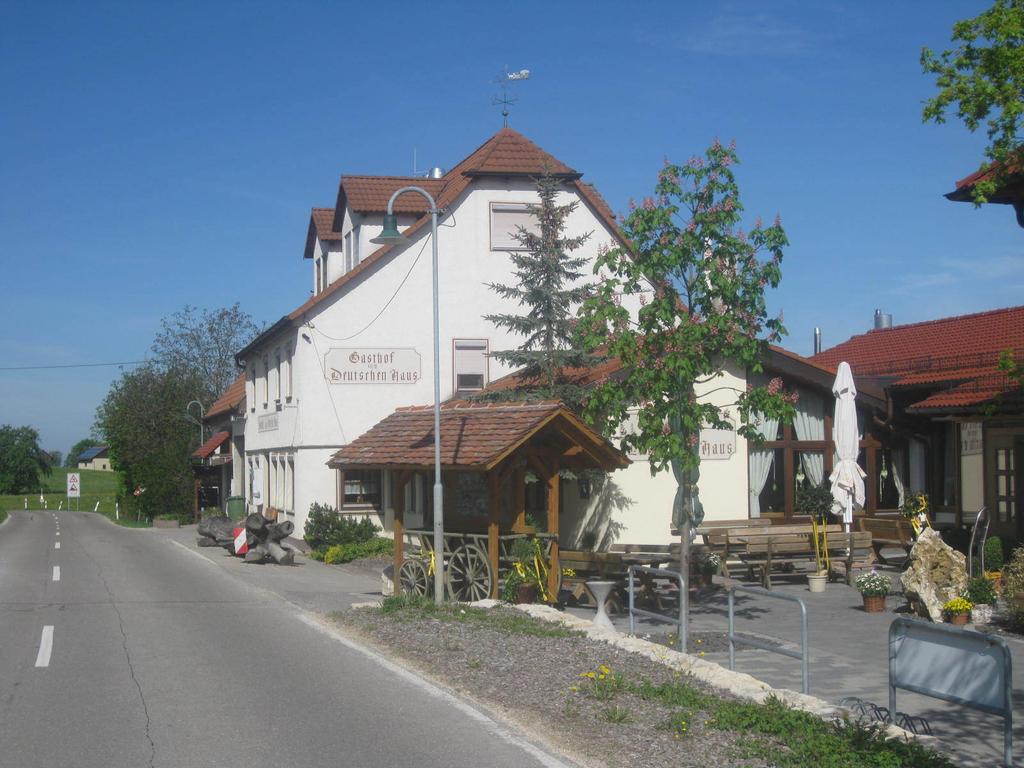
(717, 444)
(372, 365)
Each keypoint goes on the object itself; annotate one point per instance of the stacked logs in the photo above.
(263, 537)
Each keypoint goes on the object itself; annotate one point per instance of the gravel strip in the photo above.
(537, 682)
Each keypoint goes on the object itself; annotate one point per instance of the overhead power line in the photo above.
(70, 365)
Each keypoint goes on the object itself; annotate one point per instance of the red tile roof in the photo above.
(960, 352)
(233, 397)
(473, 435)
(207, 449)
(323, 219)
(370, 194)
(1011, 188)
(506, 153)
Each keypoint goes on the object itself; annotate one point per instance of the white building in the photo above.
(361, 347)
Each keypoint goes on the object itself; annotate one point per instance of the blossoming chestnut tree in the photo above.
(700, 280)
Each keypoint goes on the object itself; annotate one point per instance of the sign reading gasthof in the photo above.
(372, 365)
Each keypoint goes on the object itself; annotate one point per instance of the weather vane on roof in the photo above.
(504, 80)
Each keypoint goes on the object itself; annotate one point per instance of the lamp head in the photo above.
(390, 233)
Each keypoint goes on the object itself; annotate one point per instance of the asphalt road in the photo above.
(157, 658)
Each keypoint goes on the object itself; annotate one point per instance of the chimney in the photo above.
(817, 340)
(882, 320)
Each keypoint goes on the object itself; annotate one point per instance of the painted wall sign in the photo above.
(970, 438)
(717, 444)
(267, 422)
(372, 365)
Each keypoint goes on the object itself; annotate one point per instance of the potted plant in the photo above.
(957, 610)
(816, 502)
(707, 565)
(982, 593)
(915, 509)
(873, 588)
(523, 581)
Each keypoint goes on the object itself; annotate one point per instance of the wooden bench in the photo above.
(888, 532)
(765, 549)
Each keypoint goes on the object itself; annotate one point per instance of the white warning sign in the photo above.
(74, 485)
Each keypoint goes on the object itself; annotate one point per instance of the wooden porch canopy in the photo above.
(500, 440)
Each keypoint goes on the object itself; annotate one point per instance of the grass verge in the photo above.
(414, 607)
(581, 689)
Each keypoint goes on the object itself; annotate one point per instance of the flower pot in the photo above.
(816, 581)
(874, 603)
(981, 614)
(526, 593)
(958, 619)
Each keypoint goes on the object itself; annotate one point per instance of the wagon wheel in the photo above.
(412, 578)
(469, 575)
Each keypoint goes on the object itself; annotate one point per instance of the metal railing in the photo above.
(733, 638)
(680, 622)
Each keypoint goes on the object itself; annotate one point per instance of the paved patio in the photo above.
(848, 657)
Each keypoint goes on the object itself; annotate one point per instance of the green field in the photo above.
(97, 486)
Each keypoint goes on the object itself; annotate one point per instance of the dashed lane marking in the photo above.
(56, 573)
(45, 647)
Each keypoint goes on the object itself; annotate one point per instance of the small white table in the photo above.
(600, 590)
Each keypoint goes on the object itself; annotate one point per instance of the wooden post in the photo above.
(519, 490)
(494, 515)
(399, 502)
(553, 505)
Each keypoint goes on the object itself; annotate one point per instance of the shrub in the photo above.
(815, 501)
(1013, 574)
(325, 528)
(993, 554)
(344, 553)
(981, 591)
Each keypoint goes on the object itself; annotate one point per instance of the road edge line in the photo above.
(496, 728)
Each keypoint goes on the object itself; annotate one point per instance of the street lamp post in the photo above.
(199, 421)
(388, 236)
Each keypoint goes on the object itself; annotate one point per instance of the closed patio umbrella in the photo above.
(847, 477)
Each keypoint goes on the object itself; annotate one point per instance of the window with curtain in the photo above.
(362, 487)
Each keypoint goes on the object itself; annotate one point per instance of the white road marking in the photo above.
(545, 759)
(192, 552)
(58, 533)
(45, 647)
(56, 573)
(57, 545)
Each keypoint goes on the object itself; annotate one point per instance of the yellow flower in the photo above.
(701, 653)
(604, 669)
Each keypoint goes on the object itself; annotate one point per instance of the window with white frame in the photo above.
(289, 485)
(469, 364)
(277, 375)
(265, 380)
(318, 286)
(325, 279)
(506, 219)
(350, 251)
(250, 386)
(288, 374)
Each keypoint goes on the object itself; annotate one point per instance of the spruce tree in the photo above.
(549, 288)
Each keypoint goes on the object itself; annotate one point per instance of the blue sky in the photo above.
(155, 155)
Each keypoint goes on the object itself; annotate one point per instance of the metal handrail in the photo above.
(679, 622)
(733, 639)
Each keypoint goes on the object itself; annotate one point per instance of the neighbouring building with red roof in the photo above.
(1010, 190)
(218, 464)
(955, 420)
